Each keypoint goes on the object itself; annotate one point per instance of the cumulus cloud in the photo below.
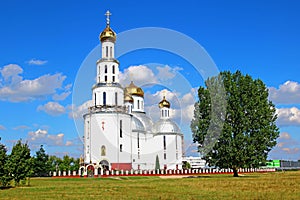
(166, 72)
(41, 136)
(287, 93)
(16, 89)
(37, 62)
(21, 127)
(288, 116)
(2, 127)
(287, 148)
(140, 75)
(52, 108)
(76, 112)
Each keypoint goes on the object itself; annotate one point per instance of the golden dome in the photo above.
(128, 98)
(107, 34)
(164, 103)
(134, 90)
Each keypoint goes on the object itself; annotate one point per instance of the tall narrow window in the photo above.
(105, 78)
(162, 113)
(99, 70)
(165, 146)
(116, 98)
(121, 147)
(103, 150)
(113, 69)
(168, 113)
(138, 140)
(106, 51)
(121, 129)
(138, 104)
(95, 101)
(104, 98)
(165, 156)
(176, 142)
(113, 79)
(111, 52)
(105, 69)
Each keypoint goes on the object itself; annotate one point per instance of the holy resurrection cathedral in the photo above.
(118, 134)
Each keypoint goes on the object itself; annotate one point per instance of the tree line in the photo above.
(19, 166)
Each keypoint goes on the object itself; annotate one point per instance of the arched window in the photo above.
(103, 150)
(113, 79)
(105, 69)
(116, 98)
(105, 78)
(104, 98)
(113, 69)
(106, 51)
(165, 145)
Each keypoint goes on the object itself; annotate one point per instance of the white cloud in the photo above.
(52, 108)
(43, 137)
(62, 96)
(37, 62)
(286, 148)
(2, 127)
(21, 127)
(285, 135)
(140, 75)
(288, 93)
(288, 116)
(76, 112)
(166, 72)
(15, 89)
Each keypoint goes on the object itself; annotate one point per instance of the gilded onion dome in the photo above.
(134, 90)
(164, 103)
(107, 33)
(128, 98)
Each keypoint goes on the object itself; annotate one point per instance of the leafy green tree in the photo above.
(4, 176)
(41, 163)
(186, 165)
(248, 130)
(54, 162)
(20, 163)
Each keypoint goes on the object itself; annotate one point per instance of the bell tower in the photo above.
(107, 91)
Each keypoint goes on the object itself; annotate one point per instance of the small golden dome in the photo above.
(134, 90)
(108, 34)
(128, 98)
(164, 103)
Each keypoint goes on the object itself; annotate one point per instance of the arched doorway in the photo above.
(104, 164)
(90, 171)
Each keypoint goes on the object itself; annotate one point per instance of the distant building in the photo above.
(118, 134)
(195, 162)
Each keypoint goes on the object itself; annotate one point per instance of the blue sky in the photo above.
(44, 43)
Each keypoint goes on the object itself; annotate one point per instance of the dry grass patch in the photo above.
(277, 185)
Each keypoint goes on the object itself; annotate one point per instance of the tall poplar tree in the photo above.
(248, 130)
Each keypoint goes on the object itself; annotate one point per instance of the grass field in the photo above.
(277, 185)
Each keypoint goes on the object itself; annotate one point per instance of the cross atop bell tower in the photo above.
(108, 14)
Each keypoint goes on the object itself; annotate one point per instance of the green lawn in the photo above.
(277, 185)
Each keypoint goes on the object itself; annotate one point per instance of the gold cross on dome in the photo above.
(107, 17)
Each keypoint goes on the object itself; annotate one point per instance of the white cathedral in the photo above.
(118, 134)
